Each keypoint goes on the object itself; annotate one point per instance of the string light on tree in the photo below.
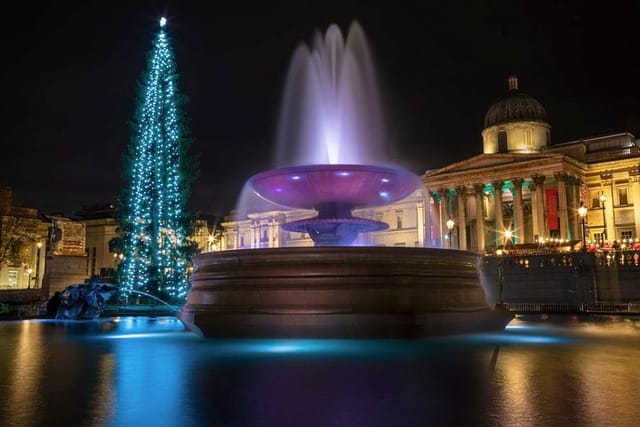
(154, 220)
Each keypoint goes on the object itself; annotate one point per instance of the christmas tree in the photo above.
(153, 220)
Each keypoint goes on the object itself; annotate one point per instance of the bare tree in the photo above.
(17, 234)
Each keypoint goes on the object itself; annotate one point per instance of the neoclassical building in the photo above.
(521, 189)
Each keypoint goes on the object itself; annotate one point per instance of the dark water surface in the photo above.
(142, 371)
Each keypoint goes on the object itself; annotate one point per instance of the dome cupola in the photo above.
(516, 122)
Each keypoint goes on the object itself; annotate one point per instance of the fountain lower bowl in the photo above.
(338, 292)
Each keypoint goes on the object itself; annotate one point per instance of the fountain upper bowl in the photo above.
(354, 185)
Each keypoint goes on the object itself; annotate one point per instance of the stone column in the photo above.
(518, 211)
(534, 210)
(497, 186)
(478, 189)
(462, 218)
(561, 179)
(635, 196)
(437, 208)
(608, 210)
(539, 209)
(422, 220)
(574, 204)
(254, 232)
(274, 238)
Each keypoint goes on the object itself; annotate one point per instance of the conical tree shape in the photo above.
(153, 220)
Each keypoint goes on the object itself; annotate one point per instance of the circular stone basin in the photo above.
(355, 186)
(339, 292)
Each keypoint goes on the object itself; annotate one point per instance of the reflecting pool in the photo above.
(150, 371)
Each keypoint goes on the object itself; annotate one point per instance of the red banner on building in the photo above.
(552, 209)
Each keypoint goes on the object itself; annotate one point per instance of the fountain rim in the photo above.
(335, 168)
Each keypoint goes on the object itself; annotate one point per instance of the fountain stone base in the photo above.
(338, 292)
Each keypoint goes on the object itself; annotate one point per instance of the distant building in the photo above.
(521, 189)
(22, 244)
(101, 226)
(207, 233)
(525, 187)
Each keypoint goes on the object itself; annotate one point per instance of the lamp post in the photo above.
(582, 211)
(508, 235)
(603, 199)
(37, 277)
(450, 224)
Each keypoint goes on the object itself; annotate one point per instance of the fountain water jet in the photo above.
(332, 129)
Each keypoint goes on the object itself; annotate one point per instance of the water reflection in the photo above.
(150, 371)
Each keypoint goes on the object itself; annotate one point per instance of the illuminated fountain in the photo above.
(330, 158)
(334, 191)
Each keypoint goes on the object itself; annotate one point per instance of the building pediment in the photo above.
(494, 160)
(486, 168)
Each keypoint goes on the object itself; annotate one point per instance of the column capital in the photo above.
(461, 190)
(478, 188)
(497, 185)
(437, 195)
(573, 180)
(538, 179)
(634, 178)
(561, 176)
(517, 182)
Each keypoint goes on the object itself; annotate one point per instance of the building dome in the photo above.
(515, 106)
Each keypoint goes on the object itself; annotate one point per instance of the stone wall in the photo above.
(572, 278)
(62, 271)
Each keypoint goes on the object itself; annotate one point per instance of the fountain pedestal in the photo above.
(334, 190)
(338, 292)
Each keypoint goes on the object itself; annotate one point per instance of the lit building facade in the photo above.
(22, 244)
(519, 190)
(522, 190)
(262, 229)
(100, 227)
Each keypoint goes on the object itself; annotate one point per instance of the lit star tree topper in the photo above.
(153, 220)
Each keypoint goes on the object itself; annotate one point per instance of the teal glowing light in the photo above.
(163, 21)
(154, 221)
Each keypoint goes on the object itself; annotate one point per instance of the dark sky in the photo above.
(69, 80)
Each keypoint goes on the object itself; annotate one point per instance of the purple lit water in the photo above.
(150, 372)
(331, 111)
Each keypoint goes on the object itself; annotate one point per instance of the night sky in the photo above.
(69, 79)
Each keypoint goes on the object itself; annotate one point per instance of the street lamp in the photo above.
(450, 224)
(603, 199)
(37, 278)
(582, 211)
(508, 235)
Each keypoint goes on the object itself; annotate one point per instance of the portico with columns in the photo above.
(534, 196)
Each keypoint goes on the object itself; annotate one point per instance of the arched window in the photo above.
(528, 139)
(502, 141)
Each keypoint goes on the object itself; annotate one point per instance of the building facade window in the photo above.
(528, 139)
(502, 142)
(12, 278)
(626, 235)
(595, 199)
(622, 197)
